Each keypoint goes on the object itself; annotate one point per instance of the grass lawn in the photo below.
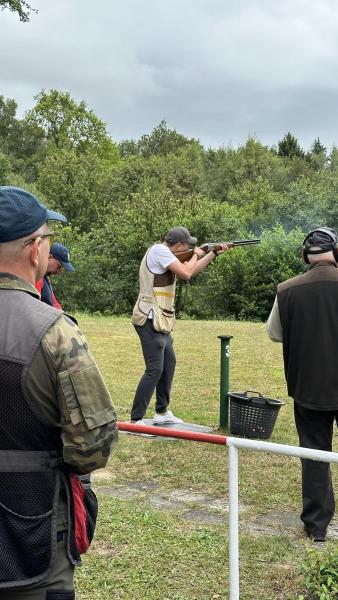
(143, 552)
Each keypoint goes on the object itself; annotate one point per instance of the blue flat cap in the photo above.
(21, 213)
(61, 253)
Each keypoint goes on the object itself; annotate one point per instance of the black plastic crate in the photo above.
(253, 415)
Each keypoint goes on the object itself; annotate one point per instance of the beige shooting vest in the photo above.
(157, 293)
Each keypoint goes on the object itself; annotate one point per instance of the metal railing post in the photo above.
(233, 524)
(224, 381)
(234, 444)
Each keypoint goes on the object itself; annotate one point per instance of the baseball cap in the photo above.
(21, 213)
(61, 253)
(320, 240)
(179, 234)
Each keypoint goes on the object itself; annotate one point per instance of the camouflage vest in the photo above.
(157, 293)
(30, 451)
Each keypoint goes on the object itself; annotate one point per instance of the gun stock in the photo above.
(214, 246)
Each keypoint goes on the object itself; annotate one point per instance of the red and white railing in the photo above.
(234, 444)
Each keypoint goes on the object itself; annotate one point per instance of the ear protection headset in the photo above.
(318, 241)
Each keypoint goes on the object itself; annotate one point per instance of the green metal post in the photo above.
(224, 381)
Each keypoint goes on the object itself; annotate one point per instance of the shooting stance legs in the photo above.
(160, 361)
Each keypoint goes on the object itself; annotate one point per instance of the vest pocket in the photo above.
(163, 319)
(27, 551)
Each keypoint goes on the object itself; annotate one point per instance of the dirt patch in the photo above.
(166, 504)
(119, 492)
(209, 509)
(288, 523)
(204, 516)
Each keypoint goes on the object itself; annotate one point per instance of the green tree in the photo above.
(317, 155)
(227, 168)
(76, 184)
(5, 169)
(68, 124)
(8, 108)
(21, 140)
(317, 147)
(22, 8)
(288, 147)
(161, 141)
(181, 173)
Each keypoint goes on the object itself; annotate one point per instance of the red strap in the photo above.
(80, 515)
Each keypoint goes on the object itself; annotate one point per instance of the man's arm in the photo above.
(274, 325)
(195, 265)
(88, 418)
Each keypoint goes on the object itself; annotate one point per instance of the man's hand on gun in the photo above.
(220, 248)
(217, 249)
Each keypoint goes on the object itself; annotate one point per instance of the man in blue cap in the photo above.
(57, 420)
(58, 260)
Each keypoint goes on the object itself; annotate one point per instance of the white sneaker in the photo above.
(167, 417)
(140, 422)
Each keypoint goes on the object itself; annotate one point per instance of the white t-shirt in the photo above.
(159, 258)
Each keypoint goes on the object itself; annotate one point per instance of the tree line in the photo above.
(121, 197)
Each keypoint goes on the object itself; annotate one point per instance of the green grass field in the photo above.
(141, 551)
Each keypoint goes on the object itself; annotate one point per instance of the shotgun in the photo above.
(185, 255)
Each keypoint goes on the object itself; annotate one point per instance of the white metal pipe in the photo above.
(300, 452)
(233, 524)
(260, 446)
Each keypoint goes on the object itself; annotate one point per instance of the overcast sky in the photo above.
(217, 70)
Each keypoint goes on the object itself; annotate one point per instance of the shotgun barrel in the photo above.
(185, 255)
(245, 242)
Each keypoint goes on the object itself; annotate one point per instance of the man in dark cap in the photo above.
(58, 260)
(154, 318)
(304, 318)
(57, 420)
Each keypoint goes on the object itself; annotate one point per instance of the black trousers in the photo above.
(160, 361)
(315, 430)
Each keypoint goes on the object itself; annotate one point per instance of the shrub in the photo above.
(321, 574)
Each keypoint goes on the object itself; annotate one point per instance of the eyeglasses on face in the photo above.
(49, 235)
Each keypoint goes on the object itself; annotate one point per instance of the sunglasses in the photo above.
(49, 235)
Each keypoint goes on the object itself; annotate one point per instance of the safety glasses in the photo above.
(49, 235)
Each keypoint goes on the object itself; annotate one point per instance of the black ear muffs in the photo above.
(318, 241)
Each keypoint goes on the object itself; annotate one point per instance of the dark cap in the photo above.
(21, 214)
(61, 253)
(179, 234)
(320, 240)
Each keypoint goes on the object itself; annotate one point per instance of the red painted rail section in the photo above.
(192, 436)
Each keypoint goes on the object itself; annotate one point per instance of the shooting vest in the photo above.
(30, 451)
(157, 293)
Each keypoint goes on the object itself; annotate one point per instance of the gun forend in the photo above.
(214, 245)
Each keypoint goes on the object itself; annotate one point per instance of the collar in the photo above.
(9, 281)
(324, 263)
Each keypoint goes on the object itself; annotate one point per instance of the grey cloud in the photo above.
(215, 70)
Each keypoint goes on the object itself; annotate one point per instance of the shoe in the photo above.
(140, 422)
(320, 538)
(167, 417)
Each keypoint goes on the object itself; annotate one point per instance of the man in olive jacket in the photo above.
(305, 319)
(57, 419)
